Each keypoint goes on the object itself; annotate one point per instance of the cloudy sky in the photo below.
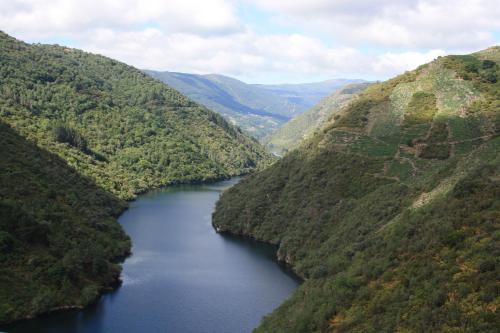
(262, 41)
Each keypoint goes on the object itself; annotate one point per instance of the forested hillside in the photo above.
(391, 214)
(78, 134)
(292, 133)
(59, 240)
(112, 123)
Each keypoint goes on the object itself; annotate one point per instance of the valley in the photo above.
(303, 126)
(258, 109)
(382, 209)
(81, 134)
(182, 276)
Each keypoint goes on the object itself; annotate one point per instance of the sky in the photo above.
(262, 41)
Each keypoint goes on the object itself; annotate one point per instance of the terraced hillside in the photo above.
(114, 124)
(392, 213)
(303, 126)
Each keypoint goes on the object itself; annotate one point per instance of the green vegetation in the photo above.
(421, 109)
(79, 134)
(67, 134)
(258, 109)
(292, 133)
(59, 241)
(391, 212)
(115, 125)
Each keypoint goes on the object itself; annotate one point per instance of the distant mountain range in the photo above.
(307, 95)
(292, 133)
(258, 109)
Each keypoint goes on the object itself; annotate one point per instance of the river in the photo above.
(182, 276)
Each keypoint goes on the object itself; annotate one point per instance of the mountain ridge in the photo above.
(257, 109)
(310, 93)
(391, 211)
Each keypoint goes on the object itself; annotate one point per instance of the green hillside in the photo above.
(112, 123)
(257, 109)
(80, 133)
(292, 133)
(59, 239)
(391, 214)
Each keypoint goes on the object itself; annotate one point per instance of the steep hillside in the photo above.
(292, 133)
(257, 109)
(114, 124)
(391, 214)
(59, 239)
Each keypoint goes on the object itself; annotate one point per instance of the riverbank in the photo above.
(182, 276)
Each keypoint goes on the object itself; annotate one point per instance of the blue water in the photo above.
(182, 276)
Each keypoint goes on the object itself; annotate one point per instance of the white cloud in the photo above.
(395, 63)
(204, 36)
(250, 56)
(39, 18)
(459, 24)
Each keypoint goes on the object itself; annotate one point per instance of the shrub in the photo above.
(421, 109)
(487, 266)
(6, 242)
(488, 64)
(66, 134)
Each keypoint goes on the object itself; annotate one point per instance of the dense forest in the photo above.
(391, 213)
(59, 240)
(80, 133)
(294, 132)
(111, 122)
